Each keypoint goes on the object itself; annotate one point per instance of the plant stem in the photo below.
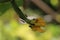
(19, 12)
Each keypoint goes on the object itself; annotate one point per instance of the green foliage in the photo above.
(7, 5)
(4, 7)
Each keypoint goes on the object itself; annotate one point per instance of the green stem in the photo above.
(19, 12)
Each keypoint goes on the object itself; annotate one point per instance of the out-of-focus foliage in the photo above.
(54, 2)
(7, 5)
(14, 30)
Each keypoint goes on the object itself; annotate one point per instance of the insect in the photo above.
(38, 24)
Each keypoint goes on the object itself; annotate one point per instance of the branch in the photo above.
(19, 12)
